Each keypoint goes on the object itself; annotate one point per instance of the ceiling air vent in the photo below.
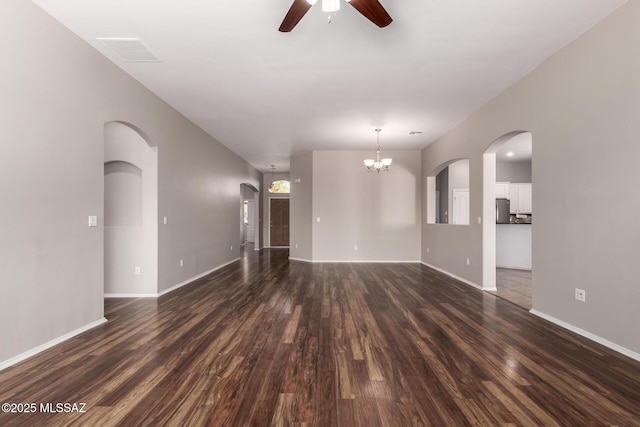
(129, 49)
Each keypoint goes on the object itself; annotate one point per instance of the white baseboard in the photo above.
(27, 354)
(586, 334)
(513, 268)
(131, 295)
(355, 261)
(299, 259)
(463, 280)
(194, 278)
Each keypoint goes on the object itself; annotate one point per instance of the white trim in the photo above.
(613, 346)
(463, 280)
(27, 354)
(514, 268)
(299, 259)
(356, 261)
(194, 278)
(131, 295)
(488, 215)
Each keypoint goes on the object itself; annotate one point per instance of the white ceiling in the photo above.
(267, 95)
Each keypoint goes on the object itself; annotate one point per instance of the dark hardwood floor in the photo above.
(265, 341)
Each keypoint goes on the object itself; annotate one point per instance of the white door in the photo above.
(461, 206)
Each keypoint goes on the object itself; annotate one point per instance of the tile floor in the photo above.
(514, 286)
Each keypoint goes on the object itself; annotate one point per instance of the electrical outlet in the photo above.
(427, 250)
(468, 262)
(231, 248)
(181, 263)
(581, 295)
(164, 220)
(355, 247)
(296, 246)
(137, 271)
(479, 220)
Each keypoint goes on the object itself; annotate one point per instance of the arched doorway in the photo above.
(130, 213)
(249, 216)
(507, 209)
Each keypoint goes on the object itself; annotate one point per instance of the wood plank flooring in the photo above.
(266, 341)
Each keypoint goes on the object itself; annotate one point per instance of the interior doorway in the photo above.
(507, 245)
(279, 226)
(130, 213)
(249, 217)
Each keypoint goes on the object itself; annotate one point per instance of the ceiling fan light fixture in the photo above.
(370, 9)
(330, 5)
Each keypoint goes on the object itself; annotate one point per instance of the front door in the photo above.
(279, 222)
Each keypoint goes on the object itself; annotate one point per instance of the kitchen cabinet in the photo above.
(520, 198)
(502, 190)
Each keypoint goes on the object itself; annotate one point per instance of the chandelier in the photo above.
(378, 164)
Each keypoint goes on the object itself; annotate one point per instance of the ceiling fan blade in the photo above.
(373, 11)
(295, 14)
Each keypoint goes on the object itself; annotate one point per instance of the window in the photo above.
(279, 186)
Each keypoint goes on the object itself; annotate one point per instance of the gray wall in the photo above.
(513, 171)
(378, 213)
(301, 207)
(57, 94)
(582, 107)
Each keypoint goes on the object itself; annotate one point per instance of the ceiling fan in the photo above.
(371, 9)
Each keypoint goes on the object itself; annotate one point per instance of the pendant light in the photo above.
(378, 164)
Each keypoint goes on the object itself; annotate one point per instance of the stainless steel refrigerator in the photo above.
(503, 214)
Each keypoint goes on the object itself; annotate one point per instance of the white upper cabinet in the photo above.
(520, 198)
(502, 190)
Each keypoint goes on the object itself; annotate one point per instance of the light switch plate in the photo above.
(93, 221)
